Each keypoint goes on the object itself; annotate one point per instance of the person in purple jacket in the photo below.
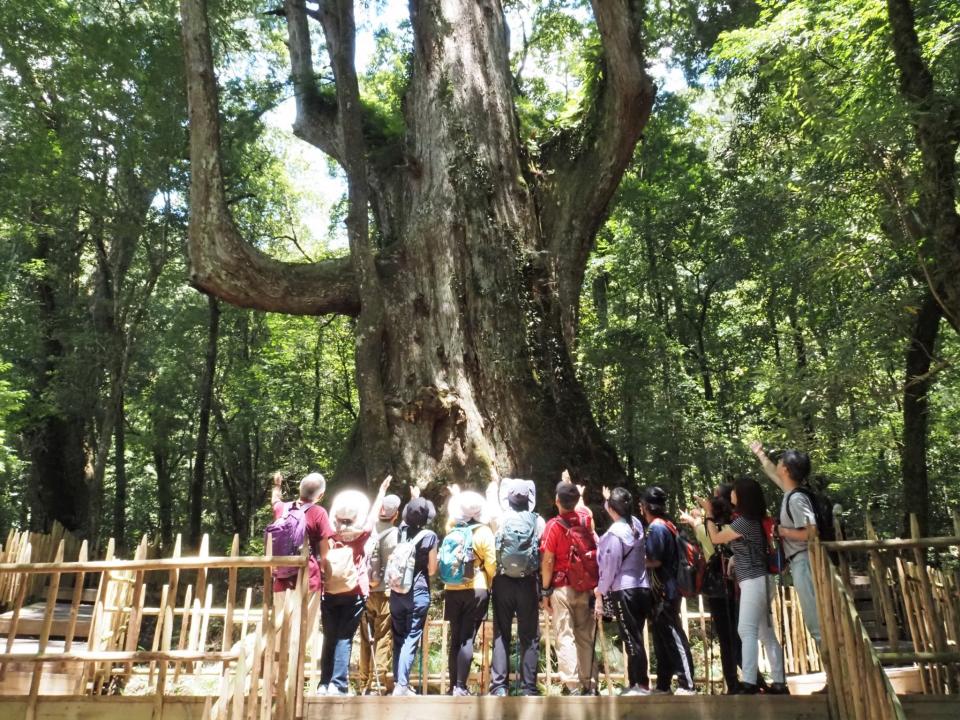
(624, 581)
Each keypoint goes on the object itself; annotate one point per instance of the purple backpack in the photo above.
(288, 532)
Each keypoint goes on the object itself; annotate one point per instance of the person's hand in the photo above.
(565, 476)
(545, 604)
(278, 479)
(414, 492)
(583, 490)
(756, 447)
(606, 492)
(703, 503)
(687, 518)
(598, 604)
(385, 484)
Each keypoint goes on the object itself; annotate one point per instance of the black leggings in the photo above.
(465, 610)
(634, 606)
(723, 612)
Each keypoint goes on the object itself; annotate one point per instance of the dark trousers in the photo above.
(465, 610)
(515, 597)
(634, 606)
(723, 611)
(408, 613)
(671, 647)
(340, 616)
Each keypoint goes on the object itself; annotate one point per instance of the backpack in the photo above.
(340, 573)
(375, 552)
(691, 566)
(457, 559)
(399, 571)
(583, 572)
(822, 511)
(288, 532)
(517, 552)
(776, 560)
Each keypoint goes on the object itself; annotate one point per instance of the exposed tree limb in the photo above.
(583, 172)
(222, 263)
(339, 28)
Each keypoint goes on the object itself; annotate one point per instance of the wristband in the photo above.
(546, 592)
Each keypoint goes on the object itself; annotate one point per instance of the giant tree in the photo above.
(466, 289)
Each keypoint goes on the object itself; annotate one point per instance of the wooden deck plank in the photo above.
(30, 621)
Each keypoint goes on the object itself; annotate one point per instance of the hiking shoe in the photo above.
(749, 689)
(460, 692)
(334, 691)
(684, 691)
(403, 691)
(498, 692)
(778, 689)
(321, 690)
(635, 691)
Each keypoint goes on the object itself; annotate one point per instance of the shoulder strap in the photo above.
(383, 534)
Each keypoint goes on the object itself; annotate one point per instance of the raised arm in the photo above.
(769, 469)
(377, 504)
(276, 492)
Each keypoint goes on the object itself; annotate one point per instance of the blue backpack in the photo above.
(288, 532)
(456, 556)
(517, 552)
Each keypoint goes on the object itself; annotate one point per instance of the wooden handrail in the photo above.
(187, 563)
(891, 544)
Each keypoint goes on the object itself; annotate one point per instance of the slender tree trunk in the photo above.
(161, 464)
(916, 413)
(198, 480)
(120, 477)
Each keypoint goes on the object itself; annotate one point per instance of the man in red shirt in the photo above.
(319, 528)
(572, 620)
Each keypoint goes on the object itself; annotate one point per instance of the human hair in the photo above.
(312, 486)
(721, 509)
(797, 464)
(724, 490)
(655, 500)
(750, 501)
(567, 495)
(621, 502)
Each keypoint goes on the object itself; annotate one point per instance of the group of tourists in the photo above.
(370, 568)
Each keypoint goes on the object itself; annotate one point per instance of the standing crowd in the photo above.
(371, 564)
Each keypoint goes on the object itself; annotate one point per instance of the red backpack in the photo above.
(691, 565)
(583, 572)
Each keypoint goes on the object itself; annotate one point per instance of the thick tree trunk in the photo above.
(936, 122)
(916, 413)
(468, 307)
(198, 480)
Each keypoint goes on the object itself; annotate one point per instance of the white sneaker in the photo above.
(634, 691)
(321, 691)
(684, 691)
(403, 691)
(334, 691)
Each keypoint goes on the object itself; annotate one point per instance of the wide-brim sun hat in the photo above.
(349, 508)
(468, 506)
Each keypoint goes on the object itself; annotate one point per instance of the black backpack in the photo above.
(822, 511)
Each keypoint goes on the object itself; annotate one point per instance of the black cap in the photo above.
(418, 512)
(567, 493)
(654, 495)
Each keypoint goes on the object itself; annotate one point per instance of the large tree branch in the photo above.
(317, 121)
(583, 168)
(339, 27)
(222, 263)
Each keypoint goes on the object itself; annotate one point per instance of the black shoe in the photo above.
(777, 689)
(749, 689)
(734, 689)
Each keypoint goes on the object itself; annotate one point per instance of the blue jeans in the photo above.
(340, 617)
(803, 584)
(408, 613)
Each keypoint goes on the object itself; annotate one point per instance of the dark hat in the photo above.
(567, 493)
(654, 495)
(518, 496)
(418, 512)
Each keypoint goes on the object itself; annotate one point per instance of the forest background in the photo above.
(766, 269)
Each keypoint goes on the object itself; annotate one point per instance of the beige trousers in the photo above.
(573, 627)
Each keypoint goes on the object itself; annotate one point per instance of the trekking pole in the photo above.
(593, 658)
(371, 635)
(780, 594)
(603, 653)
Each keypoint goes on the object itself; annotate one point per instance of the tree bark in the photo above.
(468, 305)
(198, 479)
(936, 123)
(916, 413)
(120, 478)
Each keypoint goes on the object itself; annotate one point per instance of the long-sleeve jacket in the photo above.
(621, 557)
